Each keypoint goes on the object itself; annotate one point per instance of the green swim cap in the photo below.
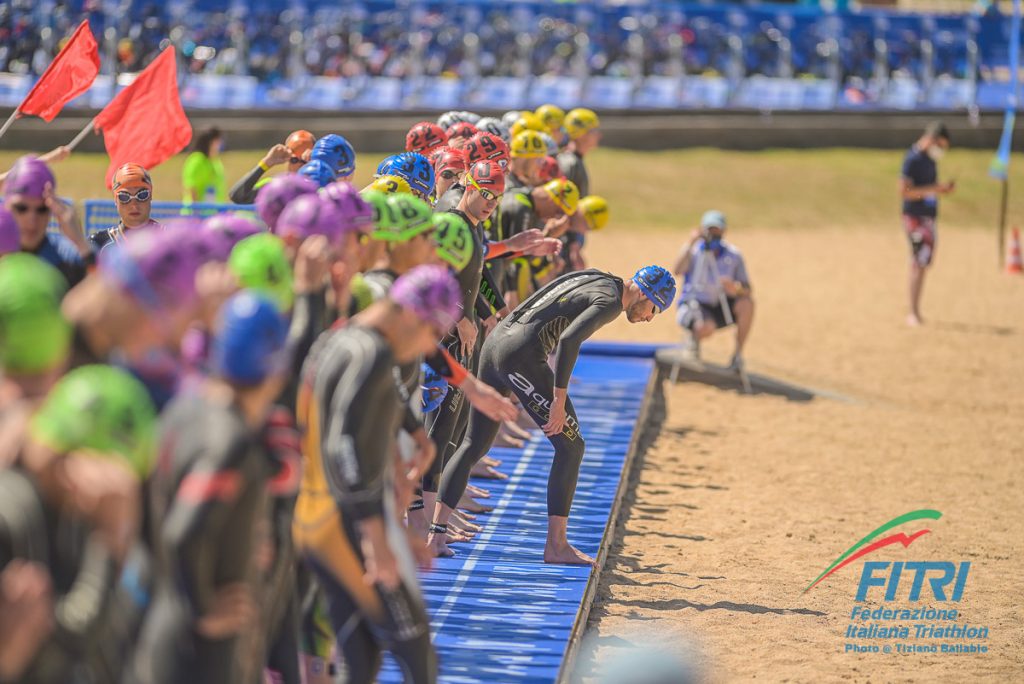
(102, 409)
(34, 337)
(260, 263)
(412, 217)
(362, 295)
(385, 220)
(454, 240)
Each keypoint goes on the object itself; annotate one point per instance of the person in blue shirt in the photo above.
(920, 190)
(29, 196)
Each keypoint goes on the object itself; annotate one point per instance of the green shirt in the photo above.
(205, 177)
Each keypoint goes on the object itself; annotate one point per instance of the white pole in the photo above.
(7, 124)
(81, 135)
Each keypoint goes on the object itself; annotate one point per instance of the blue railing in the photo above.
(101, 214)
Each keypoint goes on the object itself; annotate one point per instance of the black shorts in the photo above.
(693, 314)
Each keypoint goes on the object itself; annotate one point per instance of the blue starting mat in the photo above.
(498, 613)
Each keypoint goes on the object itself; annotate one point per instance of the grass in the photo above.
(669, 190)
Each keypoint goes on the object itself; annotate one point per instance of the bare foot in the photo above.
(506, 440)
(477, 492)
(514, 430)
(437, 546)
(473, 506)
(486, 472)
(460, 519)
(567, 555)
(914, 321)
(493, 462)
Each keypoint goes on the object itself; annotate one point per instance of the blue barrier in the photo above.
(102, 214)
(498, 613)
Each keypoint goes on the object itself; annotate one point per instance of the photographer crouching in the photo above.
(716, 290)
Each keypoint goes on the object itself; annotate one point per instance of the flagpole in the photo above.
(10, 120)
(81, 135)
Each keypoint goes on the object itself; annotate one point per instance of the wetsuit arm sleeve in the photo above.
(358, 440)
(492, 293)
(410, 421)
(79, 611)
(194, 523)
(469, 284)
(483, 309)
(307, 323)
(244, 191)
(598, 314)
(445, 365)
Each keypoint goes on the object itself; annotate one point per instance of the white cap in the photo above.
(712, 219)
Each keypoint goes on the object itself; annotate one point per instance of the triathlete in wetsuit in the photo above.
(346, 525)
(209, 494)
(556, 319)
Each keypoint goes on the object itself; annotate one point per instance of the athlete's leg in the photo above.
(359, 649)
(405, 632)
(534, 383)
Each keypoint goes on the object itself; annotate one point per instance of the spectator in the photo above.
(202, 177)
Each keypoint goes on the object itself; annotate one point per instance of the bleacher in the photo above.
(486, 54)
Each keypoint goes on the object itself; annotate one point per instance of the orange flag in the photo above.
(145, 122)
(69, 75)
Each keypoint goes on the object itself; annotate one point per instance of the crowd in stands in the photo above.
(274, 40)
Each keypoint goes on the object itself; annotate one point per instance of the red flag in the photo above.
(145, 123)
(69, 75)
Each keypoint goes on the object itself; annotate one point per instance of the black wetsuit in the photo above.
(557, 318)
(83, 572)
(208, 495)
(244, 191)
(450, 418)
(517, 215)
(451, 198)
(572, 167)
(351, 411)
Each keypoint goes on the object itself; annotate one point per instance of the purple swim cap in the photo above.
(29, 176)
(275, 196)
(430, 292)
(310, 215)
(10, 238)
(156, 267)
(229, 229)
(356, 213)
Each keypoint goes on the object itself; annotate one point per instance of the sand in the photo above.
(740, 501)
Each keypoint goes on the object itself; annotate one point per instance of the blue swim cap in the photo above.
(413, 168)
(657, 284)
(388, 165)
(318, 171)
(435, 389)
(336, 152)
(250, 342)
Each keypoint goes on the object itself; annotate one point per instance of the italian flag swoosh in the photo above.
(852, 553)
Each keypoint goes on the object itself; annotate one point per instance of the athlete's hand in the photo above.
(556, 419)
(106, 493)
(381, 566)
(490, 323)
(545, 247)
(487, 400)
(556, 227)
(467, 337)
(311, 264)
(26, 615)
(733, 288)
(278, 154)
(67, 221)
(520, 242)
(232, 609)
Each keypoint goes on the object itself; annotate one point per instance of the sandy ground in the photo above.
(740, 501)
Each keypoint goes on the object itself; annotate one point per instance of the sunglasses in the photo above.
(124, 197)
(448, 175)
(486, 194)
(20, 208)
(295, 160)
